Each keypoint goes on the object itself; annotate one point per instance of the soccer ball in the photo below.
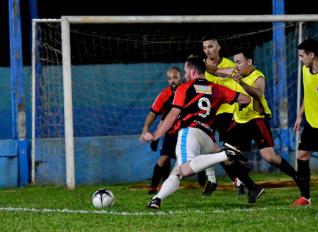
(103, 198)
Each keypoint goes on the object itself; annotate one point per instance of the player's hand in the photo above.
(148, 137)
(297, 124)
(236, 76)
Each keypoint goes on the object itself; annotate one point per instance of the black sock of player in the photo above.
(156, 176)
(304, 177)
(202, 178)
(240, 172)
(286, 168)
(228, 171)
(166, 171)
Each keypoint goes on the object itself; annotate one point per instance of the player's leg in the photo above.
(224, 123)
(303, 158)
(210, 173)
(169, 149)
(306, 147)
(263, 137)
(162, 167)
(171, 184)
(189, 162)
(158, 173)
(202, 178)
(203, 161)
(186, 149)
(211, 184)
(239, 136)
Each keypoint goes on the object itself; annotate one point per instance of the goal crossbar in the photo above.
(192, 18)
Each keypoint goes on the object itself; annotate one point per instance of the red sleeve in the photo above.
(180, 96)
(229, 95)
(158, 104)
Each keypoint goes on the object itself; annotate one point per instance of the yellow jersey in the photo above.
(248, 113)
(227, 82)
(310, 82)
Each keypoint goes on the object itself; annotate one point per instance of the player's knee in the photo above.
(163, 160)
(304, 155)
(186, 170)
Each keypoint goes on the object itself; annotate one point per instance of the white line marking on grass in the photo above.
(144, 213)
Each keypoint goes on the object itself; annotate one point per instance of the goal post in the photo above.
(98, 48)
(68, 104)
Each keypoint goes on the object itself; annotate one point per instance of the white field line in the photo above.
(142, 213)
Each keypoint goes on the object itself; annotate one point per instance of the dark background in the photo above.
(57, 8)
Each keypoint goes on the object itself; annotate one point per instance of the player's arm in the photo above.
(147, 124)
(230, 96)
(220, 72)
(167, 123)
(243, 100)
(224, 72)
(299, 118)
(256, 91)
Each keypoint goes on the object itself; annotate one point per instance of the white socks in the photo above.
(210, 172)
(202, 162)
(169, 186)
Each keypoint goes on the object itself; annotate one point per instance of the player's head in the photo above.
(307, 51)
(174, 77)
(211, 47)
(194, 67)
(243, 59)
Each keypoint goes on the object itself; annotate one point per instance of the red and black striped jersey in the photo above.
(163, 102)
(199, 101)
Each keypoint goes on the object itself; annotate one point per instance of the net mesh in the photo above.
(118, 70)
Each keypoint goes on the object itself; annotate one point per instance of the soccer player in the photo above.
(162, 105)
(224, 115)
(308, 53)
(252, 122)
(192, 116)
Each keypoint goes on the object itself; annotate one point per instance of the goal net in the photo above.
(112, 74)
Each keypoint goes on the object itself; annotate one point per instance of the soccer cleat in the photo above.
(202, 178)
(154, 203)
(241, 189)
(302, 201)
(152, 190)
(210, 187)
(233, 153)
(255, 194)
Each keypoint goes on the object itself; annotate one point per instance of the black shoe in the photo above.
(233, 153)
(255, 194)
(153, 190)
(241, 189)
(154, 203)
(210, 187)
(202, 178)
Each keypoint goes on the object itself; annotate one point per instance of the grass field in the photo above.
(57, 209)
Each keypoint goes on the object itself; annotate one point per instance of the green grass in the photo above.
(185, 210)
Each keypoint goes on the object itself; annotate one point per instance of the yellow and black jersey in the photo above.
(310, 82)
(248, 113)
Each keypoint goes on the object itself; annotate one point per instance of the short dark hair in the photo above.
(174, 68)
(209, 37)
(247, 52)
(197, 63)
(309, 45)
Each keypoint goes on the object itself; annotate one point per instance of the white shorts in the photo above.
(191, 143)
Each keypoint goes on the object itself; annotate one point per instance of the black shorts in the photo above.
(308, 140)
(169, 146)
(242, 134)
(222, 124)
